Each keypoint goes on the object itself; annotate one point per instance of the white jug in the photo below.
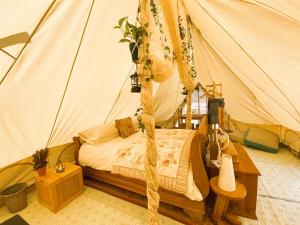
(226, 176)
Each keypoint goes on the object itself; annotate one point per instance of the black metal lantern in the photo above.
(184, 91)
(135, 85)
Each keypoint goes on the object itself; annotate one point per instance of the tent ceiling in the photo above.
(251, 46)
(258, 50)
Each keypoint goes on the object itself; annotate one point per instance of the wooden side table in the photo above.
(247, 173)
(223, 199)
(56, 190)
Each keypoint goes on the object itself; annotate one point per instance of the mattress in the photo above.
(105, 156)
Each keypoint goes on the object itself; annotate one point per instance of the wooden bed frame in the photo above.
(172, 204)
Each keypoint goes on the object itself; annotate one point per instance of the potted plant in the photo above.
(132, 34)
(40, 161)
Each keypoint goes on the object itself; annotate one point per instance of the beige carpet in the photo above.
(91, 208)
(278, 200)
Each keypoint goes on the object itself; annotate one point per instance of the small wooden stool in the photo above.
(223, 199)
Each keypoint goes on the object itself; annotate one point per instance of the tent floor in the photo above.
(165, 209)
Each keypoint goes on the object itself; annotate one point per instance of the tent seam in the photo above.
(28, 41)
(71, 72)
(257, 3)
(7, 53)
(118, 97)
(254, 96)
(289, 101)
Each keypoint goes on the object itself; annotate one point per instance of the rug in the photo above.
(15, 220)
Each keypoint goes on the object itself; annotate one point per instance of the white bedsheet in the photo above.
(102, 157)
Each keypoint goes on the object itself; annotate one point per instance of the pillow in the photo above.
(135, 123)
(125, 127)
(99, 134)
(238, 136)
(262, 139)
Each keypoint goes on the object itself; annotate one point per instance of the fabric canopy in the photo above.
(74, 74)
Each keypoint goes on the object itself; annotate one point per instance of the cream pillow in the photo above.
(99, 134)
(135, 123)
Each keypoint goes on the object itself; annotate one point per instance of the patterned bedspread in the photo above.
(173, 159)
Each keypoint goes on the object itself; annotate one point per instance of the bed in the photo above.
(181, 200)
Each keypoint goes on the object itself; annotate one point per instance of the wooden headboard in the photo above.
(197, 149)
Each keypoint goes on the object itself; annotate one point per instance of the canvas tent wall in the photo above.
(33, 90)
(251, 47)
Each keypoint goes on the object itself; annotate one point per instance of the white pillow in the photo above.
(99, 134)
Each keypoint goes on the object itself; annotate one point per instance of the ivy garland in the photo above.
(146, 62)
(187, 46)
(168, 53)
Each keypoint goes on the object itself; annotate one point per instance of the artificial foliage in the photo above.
(138, 114)
(187, 46)
(168, 52)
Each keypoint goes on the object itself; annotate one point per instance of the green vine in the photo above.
(187, 46)
(168, 53)
(138, 115)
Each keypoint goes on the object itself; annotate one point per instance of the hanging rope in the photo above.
(70, 74)
(119, 95)
(188, 121)
(148, 116)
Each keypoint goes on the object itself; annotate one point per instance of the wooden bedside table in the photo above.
(223, 199)
(56, 190)
(247, 173)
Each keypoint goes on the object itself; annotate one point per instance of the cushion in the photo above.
(262, 139)
(125, 127)
(135, 123)
(292, 139)
(238, 136)
(99, 134)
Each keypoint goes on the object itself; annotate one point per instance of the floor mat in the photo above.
(15, 220)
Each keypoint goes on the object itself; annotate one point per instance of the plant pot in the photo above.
(14, 197)
(134, 50)
(41, 171)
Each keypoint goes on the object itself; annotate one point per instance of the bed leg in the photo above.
(196, 216)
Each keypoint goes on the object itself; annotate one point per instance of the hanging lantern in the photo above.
(184, 91)
(135, 85)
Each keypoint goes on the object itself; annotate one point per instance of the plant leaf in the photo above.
(122, 20)
(117, 27)
(123, 40)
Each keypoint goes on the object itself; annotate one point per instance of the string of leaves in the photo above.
(168, 53)
(187, 46)
(138, 114)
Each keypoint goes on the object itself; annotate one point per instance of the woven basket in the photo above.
(14, 197)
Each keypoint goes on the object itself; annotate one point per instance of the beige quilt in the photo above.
(173, 159)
